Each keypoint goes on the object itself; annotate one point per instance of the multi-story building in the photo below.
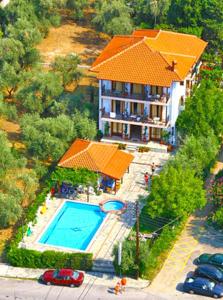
(144, 80)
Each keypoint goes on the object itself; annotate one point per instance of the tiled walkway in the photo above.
(116, 228)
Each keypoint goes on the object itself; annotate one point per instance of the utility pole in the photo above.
(137, 239)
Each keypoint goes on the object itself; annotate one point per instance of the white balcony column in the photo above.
(147, 90)
(127, 88)
(127, 107)
(145, 133)
(146, 109)
(164, 114)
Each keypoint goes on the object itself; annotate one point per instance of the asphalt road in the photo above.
(32, 290)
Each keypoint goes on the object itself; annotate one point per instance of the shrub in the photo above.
(143, 149)
(55, 20)
(160, 249)
(217, 218)
(27, 258)
(121, 146)
(152, 255)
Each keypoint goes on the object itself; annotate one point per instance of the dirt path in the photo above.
(69, 38)
(195, 239)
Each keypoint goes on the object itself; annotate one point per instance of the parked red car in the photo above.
(67, 277)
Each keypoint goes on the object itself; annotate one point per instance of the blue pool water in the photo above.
(113, 205)
(74, 226)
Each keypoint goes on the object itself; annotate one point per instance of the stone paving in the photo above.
(115, 228)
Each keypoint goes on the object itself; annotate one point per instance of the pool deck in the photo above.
(116, 227)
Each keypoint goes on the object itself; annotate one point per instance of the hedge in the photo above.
(20, 257)
(152, 255)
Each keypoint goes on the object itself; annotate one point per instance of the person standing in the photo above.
(117, 288)
(146, 178)
(153, 168)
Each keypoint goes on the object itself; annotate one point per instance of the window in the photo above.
(75, 275)
(119, 86)
(55, 273)
(156, 133)
(135, 105)
(136, 88)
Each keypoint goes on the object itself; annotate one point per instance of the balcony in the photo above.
(159, 99)
(135, 119)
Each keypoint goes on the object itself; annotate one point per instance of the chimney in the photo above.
(174, 63)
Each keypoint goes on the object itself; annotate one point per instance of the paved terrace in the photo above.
(115, 228)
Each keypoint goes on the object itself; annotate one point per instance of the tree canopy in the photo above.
(113, 17)
(48, 138)
(203, 112)
(177, 192)
(67, 68)
(17, 184)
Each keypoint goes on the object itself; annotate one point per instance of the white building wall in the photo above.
(176, 92)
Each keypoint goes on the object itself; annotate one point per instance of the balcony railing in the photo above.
(151, 98)
(135, 118)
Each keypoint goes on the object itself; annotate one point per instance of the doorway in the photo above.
(136, 133)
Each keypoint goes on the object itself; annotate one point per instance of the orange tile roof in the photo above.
(138, 64)
(116, 45)
(148, 57)
(97, 157)
(146, 32)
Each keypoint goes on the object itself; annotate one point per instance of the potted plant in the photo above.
(106, 130)
(145, 134)
(126, 132)
(99, 135)
(164, 137)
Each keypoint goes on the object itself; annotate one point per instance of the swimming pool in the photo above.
(113, 206)
(74, 226)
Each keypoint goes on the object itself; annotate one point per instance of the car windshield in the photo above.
(55, 273)
(75, 275)
(211, 285)
(218, 274)
(217, 258)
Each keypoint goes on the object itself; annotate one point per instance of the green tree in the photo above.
(67, 68)
(48, 138)
(78, 7)
(176, 192)
(212, 21)
(203, 113)
(185, 13)
(85, 127)
(39, 92)
(159, 9)
(199, 153)
(10, 210)
(25, 32)
(113, 17)
(29, 185)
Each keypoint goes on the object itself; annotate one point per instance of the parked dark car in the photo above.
(67, 277)
(203, 286)
(209, 271)
(210, 259)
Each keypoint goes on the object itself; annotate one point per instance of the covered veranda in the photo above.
(105, 159)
